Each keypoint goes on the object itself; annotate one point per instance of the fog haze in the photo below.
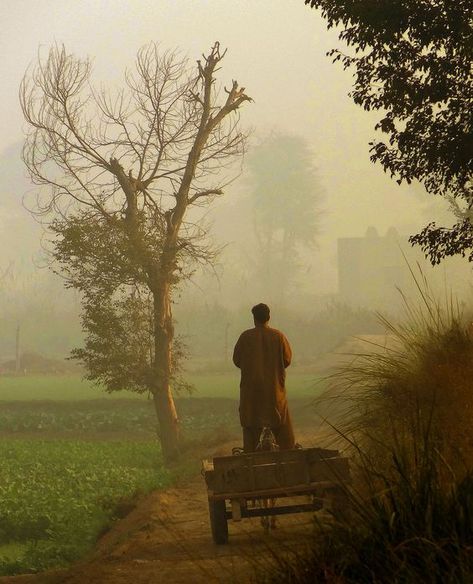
(277, 51)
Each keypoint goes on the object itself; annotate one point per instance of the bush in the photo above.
(414, 398)
(406, 421)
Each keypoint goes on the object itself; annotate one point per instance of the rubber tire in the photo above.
(218, 522)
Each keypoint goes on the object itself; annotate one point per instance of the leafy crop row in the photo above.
(131, 416)
(56, 496)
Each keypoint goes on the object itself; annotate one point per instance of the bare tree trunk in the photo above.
(162, 396)
(168, 423)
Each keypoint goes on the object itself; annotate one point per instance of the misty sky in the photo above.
(276, 49)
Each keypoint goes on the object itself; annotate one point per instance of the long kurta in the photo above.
(262, 353)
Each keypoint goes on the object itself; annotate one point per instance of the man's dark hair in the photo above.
(261, 312)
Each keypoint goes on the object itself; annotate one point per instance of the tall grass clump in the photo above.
(407, 424)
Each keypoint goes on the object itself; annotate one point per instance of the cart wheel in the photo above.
(218, 521)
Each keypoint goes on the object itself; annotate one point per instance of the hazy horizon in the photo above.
(277, 51)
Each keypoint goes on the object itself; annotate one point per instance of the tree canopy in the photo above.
(285, 193)
(413, 63)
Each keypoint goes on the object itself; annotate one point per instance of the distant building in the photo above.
(372, 269)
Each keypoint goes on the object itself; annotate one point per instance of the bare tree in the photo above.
(138, 159)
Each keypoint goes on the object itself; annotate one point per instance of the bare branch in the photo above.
(202, 194)
(143, 153)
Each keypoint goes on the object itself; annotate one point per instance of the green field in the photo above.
(57, 495)
(111, 419)
(71, 455)
(73, 387)
(69, 468)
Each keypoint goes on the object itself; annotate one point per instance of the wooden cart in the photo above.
(317, 475)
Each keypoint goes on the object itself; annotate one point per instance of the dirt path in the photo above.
(166, 539)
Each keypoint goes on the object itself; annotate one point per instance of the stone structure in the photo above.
(372, 269)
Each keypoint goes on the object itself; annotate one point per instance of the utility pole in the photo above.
(17, 349)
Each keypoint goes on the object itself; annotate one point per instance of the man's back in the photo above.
(262, 353)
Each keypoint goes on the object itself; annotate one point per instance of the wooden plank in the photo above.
(251, 477)
(267, 457)
(315, 489)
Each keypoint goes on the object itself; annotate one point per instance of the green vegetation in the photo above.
(69, 468)
(73, 387)
(408, 427)
(66, 471)
(99, 419)
(51, 387)
(56, 496)
(411, 65)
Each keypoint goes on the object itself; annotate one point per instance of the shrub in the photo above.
(406, 421)
(414, 398)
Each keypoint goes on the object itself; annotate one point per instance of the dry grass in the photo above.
(405, 413)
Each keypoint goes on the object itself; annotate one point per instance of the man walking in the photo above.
(263, 353)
